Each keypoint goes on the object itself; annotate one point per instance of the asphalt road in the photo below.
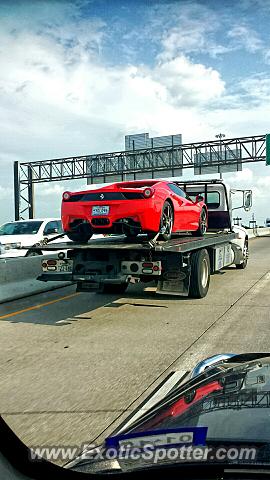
(72, 365)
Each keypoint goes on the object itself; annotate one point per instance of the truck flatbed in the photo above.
(179, 244)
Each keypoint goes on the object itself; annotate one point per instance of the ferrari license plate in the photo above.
(100, 210)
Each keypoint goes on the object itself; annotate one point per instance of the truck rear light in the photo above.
(51, 262)
(148, 192)
(44, 264)
(156, 268)
(147, 265)
(66, 196)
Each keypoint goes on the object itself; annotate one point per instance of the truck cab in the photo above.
(218, 197)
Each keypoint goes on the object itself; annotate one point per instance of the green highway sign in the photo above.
(268, 149)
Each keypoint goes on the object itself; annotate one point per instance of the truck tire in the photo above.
(113, 288)
(200, 274)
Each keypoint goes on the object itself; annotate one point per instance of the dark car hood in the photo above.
(231, 399)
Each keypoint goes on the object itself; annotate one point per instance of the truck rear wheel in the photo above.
(113, 288)
(200, 274)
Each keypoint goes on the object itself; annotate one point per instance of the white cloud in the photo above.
(179, 40)
(257, 87)
(46, 190)
(242, 121)
(244, 37)
(59, 99)
(193, 30)
(5, 192)
(49, 106)
(189, 83)
(255, 5)
(267, 56)
(264, 183)
(192, 36)
(246, 177)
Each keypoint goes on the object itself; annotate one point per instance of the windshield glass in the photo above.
(20, 228)
(227, 404)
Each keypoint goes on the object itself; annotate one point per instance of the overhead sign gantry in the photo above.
(221, 155)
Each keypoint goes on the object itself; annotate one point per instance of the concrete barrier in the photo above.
(18, 278)
(258, 232)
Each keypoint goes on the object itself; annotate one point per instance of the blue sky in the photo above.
(76, 76)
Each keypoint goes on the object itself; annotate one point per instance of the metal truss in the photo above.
(240, 400)
(125, 165)
(245, 399)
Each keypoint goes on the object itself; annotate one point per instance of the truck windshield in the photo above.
(20, 228)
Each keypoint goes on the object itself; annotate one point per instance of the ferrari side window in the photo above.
(177, 190)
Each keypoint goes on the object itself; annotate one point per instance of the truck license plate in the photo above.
(100, 210)
(62, 266)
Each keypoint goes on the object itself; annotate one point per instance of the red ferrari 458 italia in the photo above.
(183, 404)
(146, 206)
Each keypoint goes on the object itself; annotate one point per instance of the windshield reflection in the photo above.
(20, 228)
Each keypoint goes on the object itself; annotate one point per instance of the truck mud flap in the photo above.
(175, 276)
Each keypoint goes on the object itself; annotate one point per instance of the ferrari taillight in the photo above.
(66, 196)
(148, 192)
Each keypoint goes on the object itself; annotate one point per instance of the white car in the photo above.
(22, 233)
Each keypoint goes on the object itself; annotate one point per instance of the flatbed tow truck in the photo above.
(180, 266)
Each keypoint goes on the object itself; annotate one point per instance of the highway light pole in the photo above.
(220, 136)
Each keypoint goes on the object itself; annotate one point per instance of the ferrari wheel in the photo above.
(79, 236)
(166, 221)
(202, 224)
